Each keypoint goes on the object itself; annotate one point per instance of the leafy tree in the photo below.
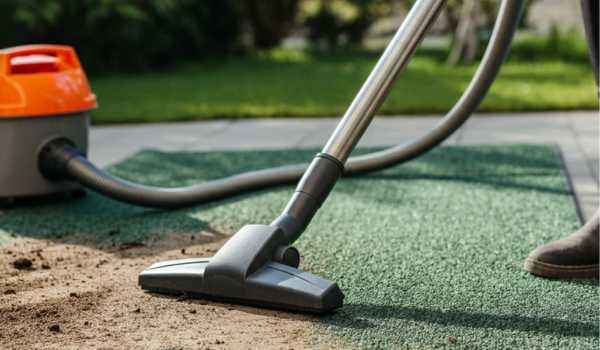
(124, 34)
(337, 22)
(470, 21)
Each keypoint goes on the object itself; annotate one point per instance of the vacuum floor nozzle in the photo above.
(243, 272)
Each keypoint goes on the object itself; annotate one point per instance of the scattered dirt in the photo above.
(22, 264)
(131, 245)
(89, 299)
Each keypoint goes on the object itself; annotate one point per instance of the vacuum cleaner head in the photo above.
(244, 272)
(274, 285)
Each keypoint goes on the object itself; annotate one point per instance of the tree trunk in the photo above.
(270, 21)
(465, 43)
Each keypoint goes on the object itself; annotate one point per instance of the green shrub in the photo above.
(126, 35)
(343, 22)
(569, 46)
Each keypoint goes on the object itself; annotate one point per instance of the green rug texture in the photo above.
(429, 254)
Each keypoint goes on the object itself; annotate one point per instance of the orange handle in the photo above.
(42, 80)
(67, 59)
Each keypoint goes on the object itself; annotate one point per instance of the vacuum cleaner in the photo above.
(45, 104)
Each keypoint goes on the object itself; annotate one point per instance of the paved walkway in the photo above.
(575, 132)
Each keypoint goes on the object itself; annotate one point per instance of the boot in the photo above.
(575, 256)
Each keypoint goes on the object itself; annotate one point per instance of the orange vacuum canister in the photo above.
(44, 95)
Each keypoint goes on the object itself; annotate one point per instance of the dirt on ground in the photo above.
(72, 294)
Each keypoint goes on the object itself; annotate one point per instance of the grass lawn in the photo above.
(284, 83)
(429, 254)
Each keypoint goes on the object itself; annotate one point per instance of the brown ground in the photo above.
(78, 296)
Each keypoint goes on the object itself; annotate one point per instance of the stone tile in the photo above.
(258, 134)
(109, 144)
(518, 129)
(383, 131)
(588, 204)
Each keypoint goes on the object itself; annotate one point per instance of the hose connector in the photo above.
(54, 157)
(312, 190)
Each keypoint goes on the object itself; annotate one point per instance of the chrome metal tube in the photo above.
(372, 94)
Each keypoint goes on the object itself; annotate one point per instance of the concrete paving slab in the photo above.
(520, 129)
(109, 144)
(258, 134)
(384, 131)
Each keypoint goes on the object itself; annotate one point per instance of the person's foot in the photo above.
(575, 256)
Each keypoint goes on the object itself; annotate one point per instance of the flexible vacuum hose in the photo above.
(63, 161)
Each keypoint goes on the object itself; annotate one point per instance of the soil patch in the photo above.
(89, 298)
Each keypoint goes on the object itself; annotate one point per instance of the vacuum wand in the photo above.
(328, 166)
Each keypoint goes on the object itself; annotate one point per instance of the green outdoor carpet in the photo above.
(429, 254)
